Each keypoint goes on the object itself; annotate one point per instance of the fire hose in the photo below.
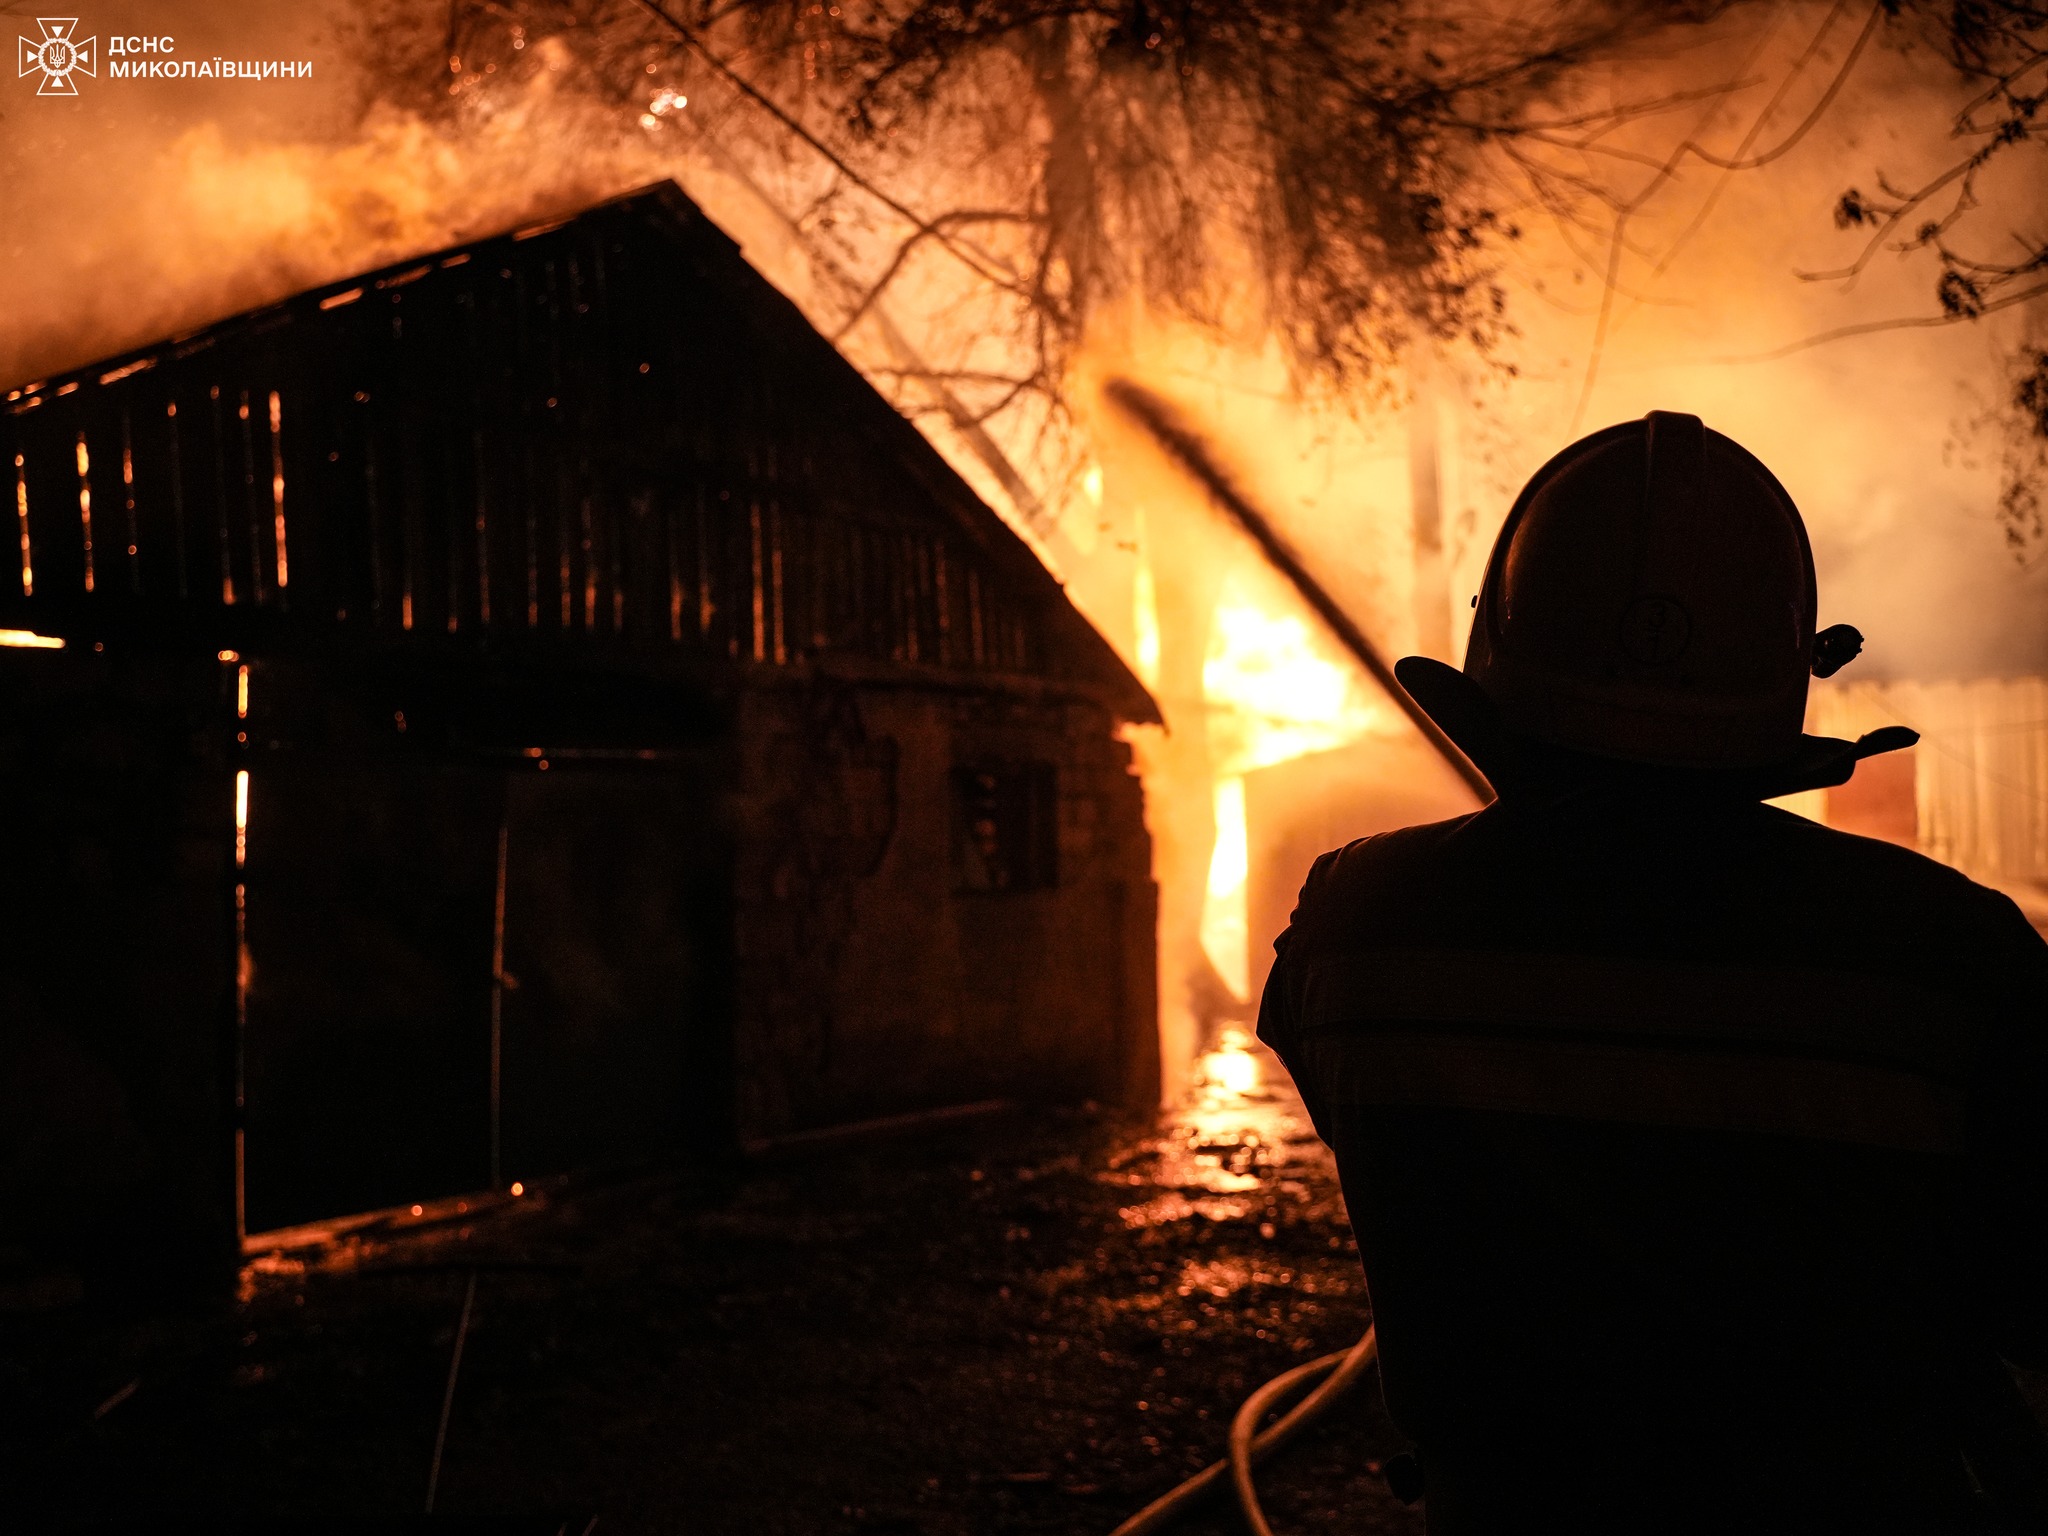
(2005, 1451)
(1337, 1373)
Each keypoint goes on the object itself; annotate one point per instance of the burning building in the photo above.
(528, 708)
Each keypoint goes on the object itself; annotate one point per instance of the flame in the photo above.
(1224, 918)
(1272, 691)
(1272, 694)
(1145, 624)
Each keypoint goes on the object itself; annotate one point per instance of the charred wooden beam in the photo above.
(1188, 449)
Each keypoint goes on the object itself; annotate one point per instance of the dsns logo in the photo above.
(59, 55)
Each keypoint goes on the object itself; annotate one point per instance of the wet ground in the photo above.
(1024, 1322)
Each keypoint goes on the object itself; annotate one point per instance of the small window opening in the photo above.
(1005, 827)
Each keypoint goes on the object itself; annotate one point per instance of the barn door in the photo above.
(367, 1037)
(455, 980)
(612, 1010)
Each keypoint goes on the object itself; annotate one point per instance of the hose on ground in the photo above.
(1338, 1373)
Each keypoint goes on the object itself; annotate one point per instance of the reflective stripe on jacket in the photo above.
(1834, 1055)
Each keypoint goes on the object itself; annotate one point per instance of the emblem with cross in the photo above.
(60, 54)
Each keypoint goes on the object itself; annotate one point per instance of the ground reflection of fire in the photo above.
(1231, 1071)
(1232, 1152)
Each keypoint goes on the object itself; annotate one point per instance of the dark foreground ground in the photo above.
(1019, 1323)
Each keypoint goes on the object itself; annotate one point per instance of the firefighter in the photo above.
(1697, 1153)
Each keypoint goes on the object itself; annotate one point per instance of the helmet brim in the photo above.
(1465, 713)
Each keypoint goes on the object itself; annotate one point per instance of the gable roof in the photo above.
(84, 396)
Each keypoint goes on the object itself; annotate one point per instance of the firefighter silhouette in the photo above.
(1697, 1153)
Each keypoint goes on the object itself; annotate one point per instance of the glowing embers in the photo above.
(277, 486)
(241, 817)
(664, 102)
(29, 640)
(85, 506)
(128, 503)
(28, 575)
(115, 375)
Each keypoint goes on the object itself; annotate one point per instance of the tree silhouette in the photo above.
(1348, 176)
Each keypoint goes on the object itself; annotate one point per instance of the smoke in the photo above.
(1878, 435)
(142, 209)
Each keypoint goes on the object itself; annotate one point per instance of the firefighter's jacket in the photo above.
(1697, 1155)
